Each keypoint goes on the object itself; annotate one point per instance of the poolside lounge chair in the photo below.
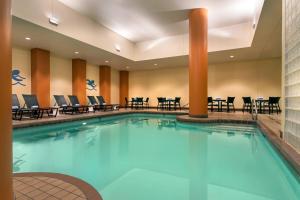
(94, 103)
(34, 108)
(17, 110)
(76, 104)
(64, 106)
(105, 106)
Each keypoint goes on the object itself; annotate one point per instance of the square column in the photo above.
(40, 76)
(79, 79)
(6, 191)
(105, 82)
(124, 87)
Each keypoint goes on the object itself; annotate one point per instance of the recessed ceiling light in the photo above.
(76, 52)
(27, 38)
(231, 56)
(107, 61)
(155, 64)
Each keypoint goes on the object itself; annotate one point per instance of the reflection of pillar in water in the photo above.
(123, 132)
(198, 166)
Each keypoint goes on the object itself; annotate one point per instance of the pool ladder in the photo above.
(254, 110)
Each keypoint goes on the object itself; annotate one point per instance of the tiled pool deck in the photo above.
(40, 186)
(269, 124)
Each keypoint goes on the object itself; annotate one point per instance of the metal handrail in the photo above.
(254, 110)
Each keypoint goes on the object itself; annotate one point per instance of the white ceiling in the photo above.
(266, 44)
(141, 20)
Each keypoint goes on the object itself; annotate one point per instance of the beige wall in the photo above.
(92, 73)
(159, 82)
(22, 61)
(249, 78)
(60, 77)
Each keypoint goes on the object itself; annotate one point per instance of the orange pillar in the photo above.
(124, 86)
(79, 79)
(5, 105)
(105, 84)
(40, 76)
(198, 62)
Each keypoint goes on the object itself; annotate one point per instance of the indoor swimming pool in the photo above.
(147, 156)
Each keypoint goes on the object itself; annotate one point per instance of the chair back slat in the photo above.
(274, 100)
(247, 100)
(177, 99)
(74, 100)
(92, 100)
(60, 100)
(31, 101)
(15, 102)
(101, 100)
(230, 99)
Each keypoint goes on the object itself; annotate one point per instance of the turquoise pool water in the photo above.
(146, 157)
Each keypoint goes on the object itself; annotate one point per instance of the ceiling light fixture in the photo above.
(76, 52)
(107, 61)
(231, 56)
(118, 48)
(155, 64)
(53, 20)
(27, 38)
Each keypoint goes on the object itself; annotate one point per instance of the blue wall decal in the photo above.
(91, 84)
(17, 78)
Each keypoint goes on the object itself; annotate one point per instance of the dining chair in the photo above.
(247, 104)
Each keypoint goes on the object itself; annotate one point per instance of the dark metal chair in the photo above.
(247, 104)
(146, 103)
(127, 103)
(230, 103)
(211, 104)
(161, 103)
(272, 104)
(138, 103)
(177, 103)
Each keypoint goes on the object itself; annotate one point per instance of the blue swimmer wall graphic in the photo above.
(91, 84)
(17, 78)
